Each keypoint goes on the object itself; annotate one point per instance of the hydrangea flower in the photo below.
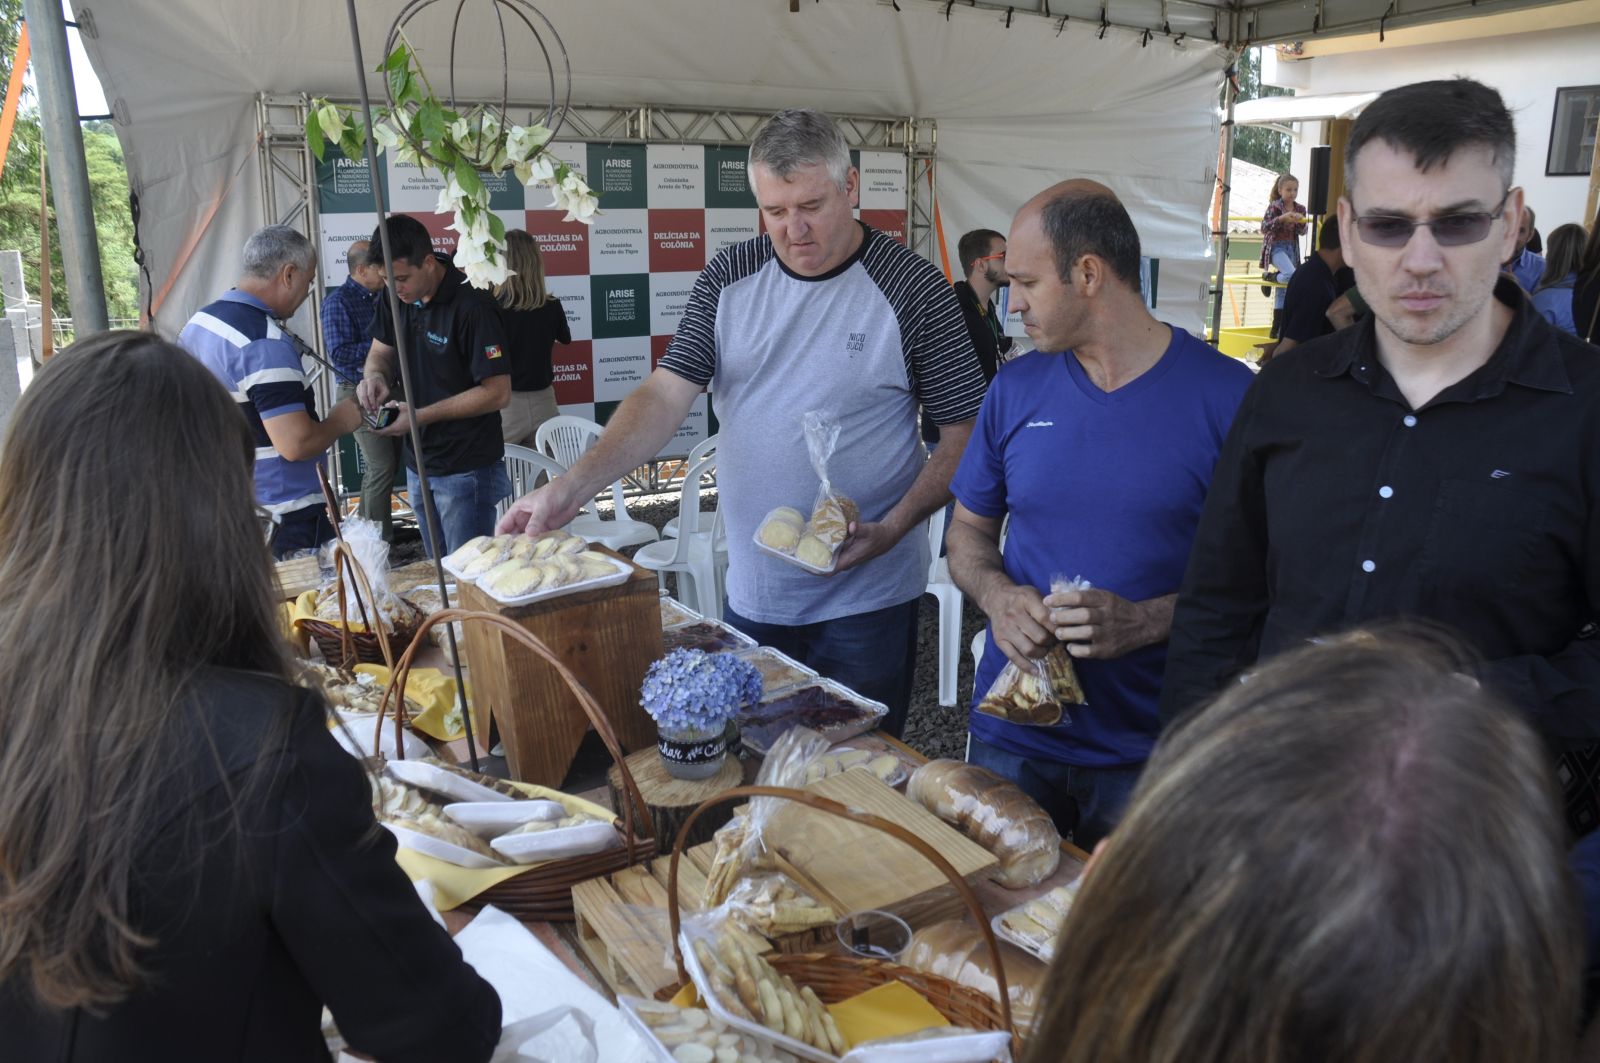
(694, 690)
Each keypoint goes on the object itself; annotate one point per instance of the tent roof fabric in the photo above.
(1016, 109)
(1281, 110)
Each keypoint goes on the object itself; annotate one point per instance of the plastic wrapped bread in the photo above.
(994, 813)
(954, 949)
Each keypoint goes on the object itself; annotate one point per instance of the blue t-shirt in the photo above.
(1104, 486)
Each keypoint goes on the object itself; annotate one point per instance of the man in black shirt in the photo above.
(460, 378)
(1438, 461)
(1320, 280)
(982, 253)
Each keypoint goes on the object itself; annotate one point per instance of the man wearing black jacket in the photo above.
(982, 253)
(1434, 462)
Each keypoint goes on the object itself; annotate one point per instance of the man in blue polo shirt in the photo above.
(240, 340)
(1101, 457)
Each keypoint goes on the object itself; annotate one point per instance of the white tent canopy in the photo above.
(1016, 108)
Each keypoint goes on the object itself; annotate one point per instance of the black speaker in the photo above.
(1317, 194)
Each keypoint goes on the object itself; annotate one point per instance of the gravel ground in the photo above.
(930, 729)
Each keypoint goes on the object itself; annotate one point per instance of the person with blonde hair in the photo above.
(189, 864)
(1353, 855)
(534, 324)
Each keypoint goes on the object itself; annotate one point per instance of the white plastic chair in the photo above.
(565, 438)
(524, 465)
(949, 595)
(698, 558)
(704, 448)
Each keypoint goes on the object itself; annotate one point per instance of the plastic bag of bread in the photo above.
(954, 949)
(994, 813)
(1037, 696)
(738, 842)
(812, 542)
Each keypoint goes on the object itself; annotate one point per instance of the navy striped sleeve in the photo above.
(276, 384)
(941, 362)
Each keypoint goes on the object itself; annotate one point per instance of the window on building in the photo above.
(1572, 131)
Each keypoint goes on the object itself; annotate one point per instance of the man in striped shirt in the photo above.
(239, 339)
(819, 314)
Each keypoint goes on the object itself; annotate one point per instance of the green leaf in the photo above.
(399, 81)
(497, 228)
(468, 179)
(433, 123)
(398, 59)
(314, 138)
(412, 93)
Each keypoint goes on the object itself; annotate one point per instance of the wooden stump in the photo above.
(671, 800)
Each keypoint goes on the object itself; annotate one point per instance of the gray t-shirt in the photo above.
(863, 344)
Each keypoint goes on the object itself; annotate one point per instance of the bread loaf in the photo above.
(955, 950)
(994, 813)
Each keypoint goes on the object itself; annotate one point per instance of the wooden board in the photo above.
(858, 868)
(608, 636)
(672, 799)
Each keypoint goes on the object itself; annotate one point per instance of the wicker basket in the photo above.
(344, 648)
(835, 977)
(544, 893)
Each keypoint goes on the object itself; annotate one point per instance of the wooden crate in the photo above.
(608, 637)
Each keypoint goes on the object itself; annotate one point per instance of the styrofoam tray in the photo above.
(432, 777)
(489, 819)
(1045, 951)
(795, 561)
(838, 733)
(428, 845)
(581, 840)
(457, 573)
(623, 570)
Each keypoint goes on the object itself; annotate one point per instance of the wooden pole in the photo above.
(1591, 210)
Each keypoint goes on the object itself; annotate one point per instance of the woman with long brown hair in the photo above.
(189, 866)
(534, 324)
(1355, 856)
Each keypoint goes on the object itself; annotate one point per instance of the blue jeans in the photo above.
(465, 502)
(874, 654)
(1283, 259)
(1085, 803)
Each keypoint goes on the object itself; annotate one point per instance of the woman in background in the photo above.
(1282, 226)
(1552, 296)
(189, 865)
(1356, 855)
(534, 324)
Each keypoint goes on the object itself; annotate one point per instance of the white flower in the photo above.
(332, 121)
(486, 274)
(537, 170)
(461, 130)
(524, 141)
(476, 230)
(387, 136)
(451, 196)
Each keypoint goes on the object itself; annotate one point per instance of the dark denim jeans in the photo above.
(466, 503)
(301, 529)
(874, 654)
(1085, 803)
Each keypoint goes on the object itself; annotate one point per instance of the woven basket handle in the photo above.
(342, 557)
(597, 716)
(855, 815)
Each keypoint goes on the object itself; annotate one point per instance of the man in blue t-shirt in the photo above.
(1101, 457)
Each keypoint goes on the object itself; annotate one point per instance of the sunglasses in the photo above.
(990, 258)
(1449, 230)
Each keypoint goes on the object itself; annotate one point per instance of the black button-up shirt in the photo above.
(1334, 503)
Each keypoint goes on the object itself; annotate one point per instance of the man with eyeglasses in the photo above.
(1441, 461)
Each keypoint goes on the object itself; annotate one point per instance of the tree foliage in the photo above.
(1258, 144)
(108, 191)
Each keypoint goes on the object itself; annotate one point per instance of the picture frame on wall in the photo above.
(1573, 125)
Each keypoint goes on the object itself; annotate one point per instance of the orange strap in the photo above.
(8, 116)
(47, 346)
(938, 227)
(200, 230)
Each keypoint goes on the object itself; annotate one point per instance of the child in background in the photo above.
(1282, 225)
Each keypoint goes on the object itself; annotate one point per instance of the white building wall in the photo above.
(1526, 68)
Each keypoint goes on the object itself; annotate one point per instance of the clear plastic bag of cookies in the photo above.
(812, 542)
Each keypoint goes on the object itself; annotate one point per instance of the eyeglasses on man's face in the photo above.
(998, 255)
(1449, 230)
